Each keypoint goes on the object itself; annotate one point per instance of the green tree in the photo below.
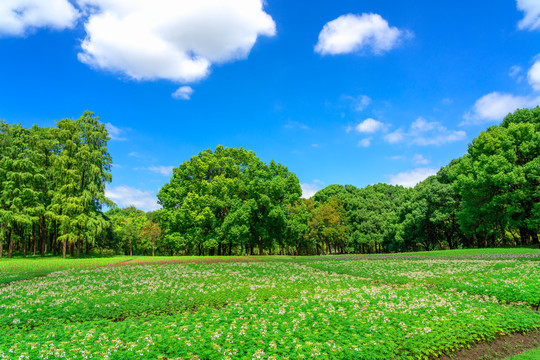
(227, 198)
(80, 171)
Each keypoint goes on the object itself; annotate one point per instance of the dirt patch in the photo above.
(500, 348)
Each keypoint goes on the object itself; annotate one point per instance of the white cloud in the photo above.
(183, 93)
(295, 125)
(176, 40)
(359, 102)
(534, 75)
(411, 178)
(115, 133)
(355, 33)
(515, 71)
(370, 126)
(495, 106)
(163, 170)
(18, 17)
(365, 142)
(531, 20)
(308, 190)
(419, 159)
(424, 133)
(395, 137)
(125, 196)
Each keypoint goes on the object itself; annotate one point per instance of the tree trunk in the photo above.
(524, 235)
(64, 245)
(34, 239)
(78, 245)
(42, 240)
(503, 236)
(534, 237)
(260, 246)
(9, 244)
(153, 251)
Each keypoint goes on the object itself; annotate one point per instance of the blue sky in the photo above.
(347, 92)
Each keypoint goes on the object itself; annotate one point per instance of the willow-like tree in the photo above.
(80, 171)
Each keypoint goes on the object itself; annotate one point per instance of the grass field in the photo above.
(410, 306)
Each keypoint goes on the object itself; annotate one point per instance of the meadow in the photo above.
(411, 306)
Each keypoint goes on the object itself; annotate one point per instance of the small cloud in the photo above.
(359, 102)
(447, 101)
(183, 93)
(365, 142)
(125, 196)
(163, 170)
(370, 126)
(495, 106)
(420, 160)
(534, 75)
(134, 154)
(411, 178)
(531, 20)
(515, 73)
(397, 157)
(358, 33)
(19, 17)
(308, 190)
(315, 145)
(395, 137)
(295, 125)
(115, 132)
(425, 133)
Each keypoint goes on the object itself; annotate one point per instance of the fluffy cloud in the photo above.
(531, 20)
(183, 93)
(424, 133)
(308, 190)
(125, 196)
(411, 178)
(495, 106)
(534, 75)
(356, 33)
(17, 17)
(370, 126)
(176, 40)
(115, 133)
(163, 170)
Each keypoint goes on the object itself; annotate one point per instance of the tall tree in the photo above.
(81, 170)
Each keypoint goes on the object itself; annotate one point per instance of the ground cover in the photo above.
(336, 309)
(35, 266)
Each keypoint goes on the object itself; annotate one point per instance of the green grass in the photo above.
(528, 355)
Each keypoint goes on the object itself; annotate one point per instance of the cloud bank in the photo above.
(411, 178)
(125, 196)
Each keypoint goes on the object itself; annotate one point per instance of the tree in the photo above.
(498, 181)
(227, 198)
(80, 171)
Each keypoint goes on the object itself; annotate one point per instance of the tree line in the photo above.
(52, 184)
(227, 201)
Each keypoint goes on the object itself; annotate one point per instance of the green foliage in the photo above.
(224, 200)
(52, 183)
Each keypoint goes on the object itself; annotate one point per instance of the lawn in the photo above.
(415, 306)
